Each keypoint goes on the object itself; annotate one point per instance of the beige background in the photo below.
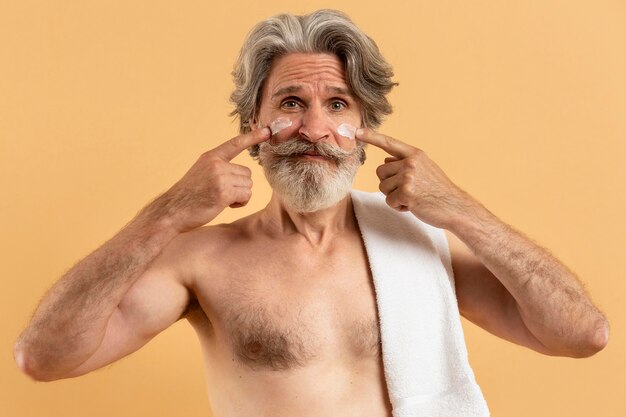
(105, 104)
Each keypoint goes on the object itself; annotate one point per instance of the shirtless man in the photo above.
(283, 300)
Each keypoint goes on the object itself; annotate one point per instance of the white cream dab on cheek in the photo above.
(280, 124)
(347, 131)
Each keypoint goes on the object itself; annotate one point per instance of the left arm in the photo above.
(517, 290)
(505, 283)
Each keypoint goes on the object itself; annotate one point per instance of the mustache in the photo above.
(299, 146)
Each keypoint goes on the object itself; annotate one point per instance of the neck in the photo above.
(317, 227)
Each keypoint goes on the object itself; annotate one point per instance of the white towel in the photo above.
(423, 347)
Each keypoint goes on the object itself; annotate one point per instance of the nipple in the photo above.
(279, 124)
(347, 131)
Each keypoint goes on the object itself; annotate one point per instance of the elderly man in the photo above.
(283, 300)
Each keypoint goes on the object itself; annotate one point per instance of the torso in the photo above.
(287, 329)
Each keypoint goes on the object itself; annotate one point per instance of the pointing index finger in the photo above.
(233, 147)
(390, 145)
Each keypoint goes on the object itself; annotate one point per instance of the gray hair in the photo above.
(325, 31)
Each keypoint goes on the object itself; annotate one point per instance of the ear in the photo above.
(253, 123)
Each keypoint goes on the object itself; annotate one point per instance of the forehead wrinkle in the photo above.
(307, 74)
(308, 71)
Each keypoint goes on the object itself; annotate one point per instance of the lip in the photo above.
(314, 156)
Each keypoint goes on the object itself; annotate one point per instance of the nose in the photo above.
(315, 125)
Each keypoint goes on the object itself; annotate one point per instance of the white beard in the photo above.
(306, 185)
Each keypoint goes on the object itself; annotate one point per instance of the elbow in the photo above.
(584, 345)
(25, 362)
(29, 365)
(600, 338)
(596, 341)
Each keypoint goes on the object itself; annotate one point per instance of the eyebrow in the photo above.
(339, 90)
(287, 90)
(296, 88)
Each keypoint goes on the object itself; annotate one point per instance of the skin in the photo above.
(505, 283)
(301, 308)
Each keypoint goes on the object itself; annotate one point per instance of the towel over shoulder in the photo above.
(424, 354)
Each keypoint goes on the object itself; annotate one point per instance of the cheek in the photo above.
(280, 123)
(345, 133)
(283, 128)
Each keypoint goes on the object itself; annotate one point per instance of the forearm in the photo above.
(551, 300)
(72, 318)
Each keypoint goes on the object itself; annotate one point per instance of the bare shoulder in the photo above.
(211, 239)
(191, 251)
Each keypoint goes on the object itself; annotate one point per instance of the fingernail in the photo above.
(359, 131)
(266, 131)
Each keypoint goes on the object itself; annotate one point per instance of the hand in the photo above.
(413, 182)
(210, 185)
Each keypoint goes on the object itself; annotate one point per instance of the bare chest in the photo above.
(279, 308)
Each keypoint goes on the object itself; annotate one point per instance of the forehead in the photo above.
(298, 69)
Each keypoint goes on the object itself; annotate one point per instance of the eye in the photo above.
(290, 104)
(337, 105)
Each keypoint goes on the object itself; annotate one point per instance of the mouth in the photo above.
(314, 156)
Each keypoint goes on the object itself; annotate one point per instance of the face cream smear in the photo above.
(280, 124)
(347, 131)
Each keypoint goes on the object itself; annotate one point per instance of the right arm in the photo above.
(84, 308)
(120, 296)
